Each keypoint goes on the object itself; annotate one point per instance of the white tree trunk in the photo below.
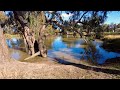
(4, 53)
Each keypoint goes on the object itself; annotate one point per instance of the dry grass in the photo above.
(112, 36)
(112, 43)
(24, 70)
(9, 36)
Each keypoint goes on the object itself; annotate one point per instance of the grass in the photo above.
(115, 66)
(111, 33)
(69, 40)
(112, 44)
(9, 36)
(112, 37)
(113, 63)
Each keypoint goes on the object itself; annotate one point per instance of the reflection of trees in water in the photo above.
(69, 45)
(15, 43)
(71, 42)
(91, 53)
(48, 42)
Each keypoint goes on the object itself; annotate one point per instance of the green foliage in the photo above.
(2, 16)
(35, 22)
(50, 30)
(91, 53)
(105, 27)
(118, 26)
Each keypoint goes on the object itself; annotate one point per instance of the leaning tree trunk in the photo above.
(41, 37)
(4, 53)
(29, 40)
(79, 32)
(42, 47)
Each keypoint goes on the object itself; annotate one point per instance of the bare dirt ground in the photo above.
(25, 70)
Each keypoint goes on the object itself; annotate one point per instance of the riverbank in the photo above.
(112, 37)
(112, 43)
(55, 68)
(23, 70)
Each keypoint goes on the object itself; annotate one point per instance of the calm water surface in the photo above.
(75, 48)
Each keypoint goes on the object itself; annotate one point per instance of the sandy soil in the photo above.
(25, 70)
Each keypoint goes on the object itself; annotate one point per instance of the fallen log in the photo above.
(34, 55)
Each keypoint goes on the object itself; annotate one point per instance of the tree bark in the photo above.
(29, 40)
(42, 47)
(4, 53)
(79, 32)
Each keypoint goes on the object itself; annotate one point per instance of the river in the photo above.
(66, 49)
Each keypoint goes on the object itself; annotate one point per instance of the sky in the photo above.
(113, 17)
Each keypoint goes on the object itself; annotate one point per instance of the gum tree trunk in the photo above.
(42, 47)
(4, 53)
(41, 37)
(29, 40)
(28, 35)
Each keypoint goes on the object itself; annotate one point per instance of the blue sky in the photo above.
(113, 17)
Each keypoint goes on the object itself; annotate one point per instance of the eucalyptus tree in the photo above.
(113, 27)
(89, 19)
(4, 54)
(25, 23)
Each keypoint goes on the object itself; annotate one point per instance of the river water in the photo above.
(66, 48)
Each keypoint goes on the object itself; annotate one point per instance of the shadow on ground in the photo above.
(109, 71)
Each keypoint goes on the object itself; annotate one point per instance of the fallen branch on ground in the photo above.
(34, 55)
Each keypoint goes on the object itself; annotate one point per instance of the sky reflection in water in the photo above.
(73, 49)
(76, 50)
